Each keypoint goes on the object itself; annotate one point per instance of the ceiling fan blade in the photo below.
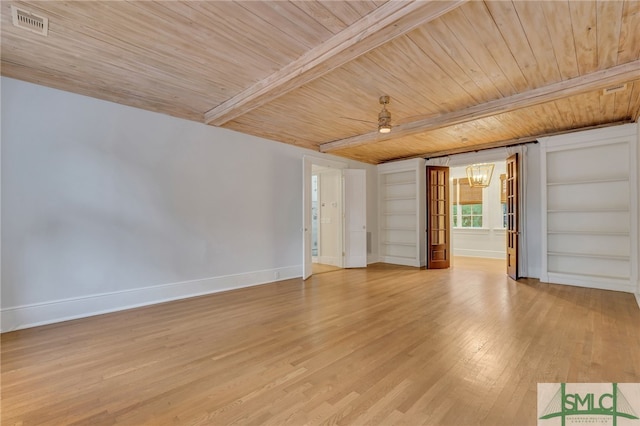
(357, 119)
(416, 118)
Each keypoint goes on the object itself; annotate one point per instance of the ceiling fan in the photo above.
(384, 116)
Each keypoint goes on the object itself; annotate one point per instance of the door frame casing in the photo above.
(308, 161)
(488, 156)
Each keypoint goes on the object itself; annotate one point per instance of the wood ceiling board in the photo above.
(562, 41)
(323, 15)
(351, 91)
(314, 112)
(488, 33)
(105, 51)
(92, 88)
(433, 141)
(348, 11)
(629, 48)
(456, 49)
(506, 18)
(525, 123)
(634, 101)
(597, 80)
(533, 21)
(384, 70)
(608, 33)
(435, 54)
(584, 26)
(232, 34)
(383, 24)
(364, 7)
(185, 46)
(407, 78)
(148, 31)
(183, 58)
(281, 15)
(477, 55)
(79, 69)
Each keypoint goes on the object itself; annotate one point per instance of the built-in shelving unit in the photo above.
(402, 214)
(590, 217)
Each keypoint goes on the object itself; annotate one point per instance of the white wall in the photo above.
(106, 207)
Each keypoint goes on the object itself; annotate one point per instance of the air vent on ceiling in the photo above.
(614, 89)
(29, 21)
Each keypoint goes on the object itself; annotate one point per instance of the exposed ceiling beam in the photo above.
(391, 20)
(507, 142)
(562, 89)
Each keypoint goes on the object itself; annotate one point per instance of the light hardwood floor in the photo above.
(382, 345)
(321, 268)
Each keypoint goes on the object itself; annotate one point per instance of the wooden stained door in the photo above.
(438, 232)
(512, 216)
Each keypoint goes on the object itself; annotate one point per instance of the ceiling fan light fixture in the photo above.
(384, 118)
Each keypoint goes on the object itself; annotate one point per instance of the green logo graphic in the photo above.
(613, 404)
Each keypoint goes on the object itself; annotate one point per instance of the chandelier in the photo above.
(479, 175)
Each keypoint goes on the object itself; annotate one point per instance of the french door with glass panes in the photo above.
(438, 232)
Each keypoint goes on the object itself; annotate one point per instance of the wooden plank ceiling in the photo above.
(461, 75)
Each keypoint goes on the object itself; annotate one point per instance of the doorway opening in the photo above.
(484, 221)
(327, 219)
(341, 215)
(478, 216)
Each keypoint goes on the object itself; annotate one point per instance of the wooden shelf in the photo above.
(392, 243)
(406, 182)
(398, 228)
(589, 232)
(400, 257)
(588, 182)
(601, 210)
(399, 198)
(600, 276)
(588, 198)
(590, 256)
(402, 213)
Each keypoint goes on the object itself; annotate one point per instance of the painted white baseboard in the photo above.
(372, 258)
(330, 260)
(491, 254)
(638, 299)
(589, 282)
(400, 261)
(19, 317)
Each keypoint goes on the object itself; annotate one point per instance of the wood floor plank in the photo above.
(383, 345)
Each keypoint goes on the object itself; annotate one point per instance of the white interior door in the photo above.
(307, 264)
(355, 208)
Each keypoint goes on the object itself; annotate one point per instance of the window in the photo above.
(467, 204)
